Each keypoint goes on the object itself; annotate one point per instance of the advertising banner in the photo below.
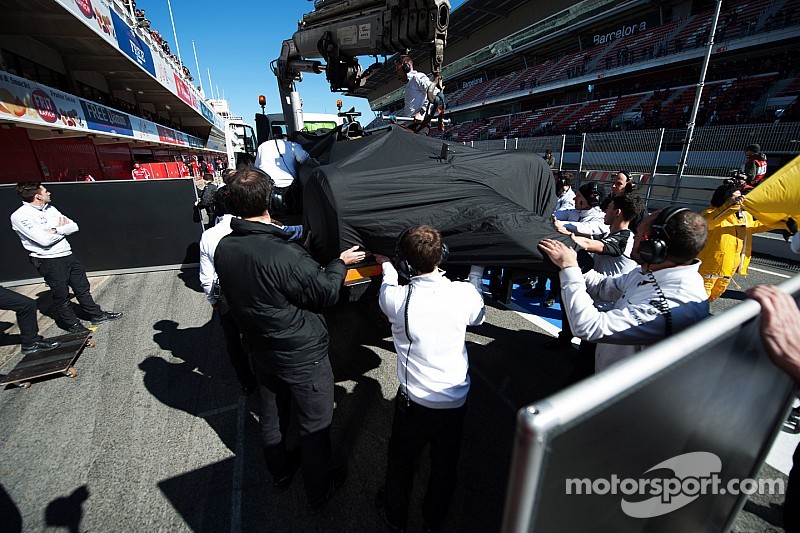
(166, 135)
(94, 13)
(100, 16)
(181, 138)
(164, 73)
(101, 118)
(470, 83)
(184, 93)
(618, 31)
(28, 101)
(22, 100)
(144, 130)
(131, 45)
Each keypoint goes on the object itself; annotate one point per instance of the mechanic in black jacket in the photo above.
(277, 292)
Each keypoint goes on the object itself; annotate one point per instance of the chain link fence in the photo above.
(714, 150)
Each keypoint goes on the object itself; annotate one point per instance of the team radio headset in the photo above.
(407, 272)
(630, 183)
(653, 250)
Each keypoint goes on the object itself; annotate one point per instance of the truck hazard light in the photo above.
(359, 275)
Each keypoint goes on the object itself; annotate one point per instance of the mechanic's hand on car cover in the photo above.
(353, 255)
(561, 255)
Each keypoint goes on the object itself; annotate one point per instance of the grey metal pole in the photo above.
(197, 66)
(690, 126)
(174, 33)
(210, 85)
(563, 147)
(655, 167)
(580, 161)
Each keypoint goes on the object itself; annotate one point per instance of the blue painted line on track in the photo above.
(534, 305)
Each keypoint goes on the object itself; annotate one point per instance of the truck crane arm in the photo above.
(338, 31)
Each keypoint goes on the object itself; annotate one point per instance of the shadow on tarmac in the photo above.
(67, 511)
(10, 516)
(508, 371)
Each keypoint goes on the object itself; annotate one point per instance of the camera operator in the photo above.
(429, 317)
(662, 297)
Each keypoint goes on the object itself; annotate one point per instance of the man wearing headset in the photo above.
(662, 297)
(429, 317)
(587, 219)
(623, 183)
(417, 84)
(279, 158)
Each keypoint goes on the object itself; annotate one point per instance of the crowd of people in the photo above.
(637, 282)
(627, 280)
(143, 22)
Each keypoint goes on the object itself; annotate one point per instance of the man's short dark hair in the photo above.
(404, 59)
(208, 176)
(27, 190)
(227, 176)
(688, 233)
(422, 246)
(630, 205)
(249, 192)
(723, 193)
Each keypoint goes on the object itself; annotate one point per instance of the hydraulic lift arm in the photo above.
(338, 31)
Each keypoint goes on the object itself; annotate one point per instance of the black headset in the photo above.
(594, 193)
(406, 67)
(403, 266)
(631, 184)
(654, 248)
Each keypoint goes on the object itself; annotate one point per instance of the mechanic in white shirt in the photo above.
(429, 317)
(586, 219)
(279, 158)
(662, 297)
(43, 231)
(417, 83)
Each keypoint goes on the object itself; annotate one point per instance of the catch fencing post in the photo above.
(580, 161)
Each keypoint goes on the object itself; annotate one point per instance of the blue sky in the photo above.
(237, 40)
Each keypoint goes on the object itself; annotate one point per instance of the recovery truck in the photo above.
(338, 31)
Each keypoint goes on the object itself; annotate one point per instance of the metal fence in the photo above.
(715, 150)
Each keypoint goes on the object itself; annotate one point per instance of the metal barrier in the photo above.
(708, 393)
(715, 150)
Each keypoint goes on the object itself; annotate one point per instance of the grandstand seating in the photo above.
(727, 101)
(792, 89)
(727, 97)
(734, 97)
(669, 38)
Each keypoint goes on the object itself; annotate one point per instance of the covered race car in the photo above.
(492, 207)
